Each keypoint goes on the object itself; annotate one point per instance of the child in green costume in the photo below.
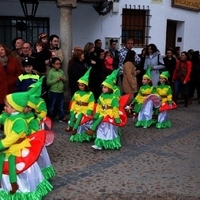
(35, 111)
(164, 90)
(17, 146)
(82, 106)
(107, 134)
(142, 108)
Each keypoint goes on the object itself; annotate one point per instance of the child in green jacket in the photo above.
(55, 80)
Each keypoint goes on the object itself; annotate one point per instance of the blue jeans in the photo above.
(177, 87)
(56, 101)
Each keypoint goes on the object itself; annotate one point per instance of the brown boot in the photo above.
(74, 132)
(68, 129)
(90, 132)
(15, 187)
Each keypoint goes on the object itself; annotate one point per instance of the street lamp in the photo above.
(29, 7)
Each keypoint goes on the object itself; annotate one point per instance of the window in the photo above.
(28, 29)
(135, 24)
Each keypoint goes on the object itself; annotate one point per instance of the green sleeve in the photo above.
(90, 104)
(50, 78)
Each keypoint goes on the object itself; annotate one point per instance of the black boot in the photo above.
(175, 98)
(185, 100)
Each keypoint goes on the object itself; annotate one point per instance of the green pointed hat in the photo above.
(36, 88)
(108, 82)
(165, 75)
(18, 100)
(85, 79)
(114, 75)
(148, 73)
(33, 101)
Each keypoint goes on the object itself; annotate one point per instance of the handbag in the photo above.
(159, 63)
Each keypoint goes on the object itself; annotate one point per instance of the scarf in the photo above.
(4, 61)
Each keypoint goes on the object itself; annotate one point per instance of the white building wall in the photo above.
(88, 25)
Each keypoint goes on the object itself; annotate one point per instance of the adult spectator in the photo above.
(43, 41)
(129, 82)
(26, 52)
(92, 60)
(190, 52)
(195, 77)
(176, 52)
(140, 67)
(170, 64)
(115, 52)
(71, 60)
(181, 77)
(154, 60)
(107, 65)
(54, 48)
(43, 37)
(17, 44)
(122, 55)
(9, 72)
(97, 47)
(77, 70)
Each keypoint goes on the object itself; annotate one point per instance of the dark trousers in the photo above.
(194, 85)
(56, 100)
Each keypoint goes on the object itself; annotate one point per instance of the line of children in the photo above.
(153, 101)
(20, 174)
(104, 118)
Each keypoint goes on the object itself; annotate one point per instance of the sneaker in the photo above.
(96, 147)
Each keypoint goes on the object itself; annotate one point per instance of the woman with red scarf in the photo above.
(181, 77)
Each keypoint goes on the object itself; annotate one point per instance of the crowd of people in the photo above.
(106, 87)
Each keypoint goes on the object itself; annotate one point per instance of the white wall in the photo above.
(88, 25)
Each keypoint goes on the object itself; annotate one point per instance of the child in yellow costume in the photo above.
(164, 90)
(107, 134)
(21, 152)
(82, 106)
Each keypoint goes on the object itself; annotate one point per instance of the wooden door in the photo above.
(171, 34)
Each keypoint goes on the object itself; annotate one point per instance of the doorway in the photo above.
(171, 34)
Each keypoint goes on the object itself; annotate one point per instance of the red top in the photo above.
(182, 71)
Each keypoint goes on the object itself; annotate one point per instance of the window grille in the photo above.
(28, 29)
(135, 25)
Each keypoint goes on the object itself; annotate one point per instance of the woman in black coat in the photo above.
(76, 70)
(92, 60)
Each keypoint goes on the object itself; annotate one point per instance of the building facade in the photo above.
(163, 22)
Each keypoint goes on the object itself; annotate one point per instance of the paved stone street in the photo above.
(152, 164)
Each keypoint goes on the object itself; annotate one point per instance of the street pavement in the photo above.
(152, 164)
